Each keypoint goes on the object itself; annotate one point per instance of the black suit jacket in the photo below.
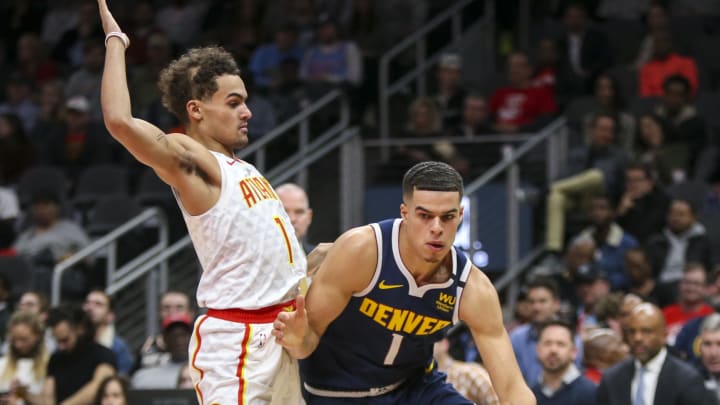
(678, 384)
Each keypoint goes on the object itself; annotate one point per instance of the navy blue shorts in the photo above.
(429, 388)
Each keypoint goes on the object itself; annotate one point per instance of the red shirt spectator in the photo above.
(676, 317)
(664, 64)
(520, 103)
(521, 106)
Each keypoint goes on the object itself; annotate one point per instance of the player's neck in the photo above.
(210, 143)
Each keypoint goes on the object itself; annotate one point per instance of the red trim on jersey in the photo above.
(194, 357)
(262, 315)
(241, 365)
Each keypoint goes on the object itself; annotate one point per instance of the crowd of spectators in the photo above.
(633, 218)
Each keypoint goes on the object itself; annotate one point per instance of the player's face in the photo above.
(432, 219)
(225, 115)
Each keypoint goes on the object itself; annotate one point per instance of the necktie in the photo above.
(639, 394)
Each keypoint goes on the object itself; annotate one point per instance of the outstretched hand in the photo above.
(290, 328)
(108, 21)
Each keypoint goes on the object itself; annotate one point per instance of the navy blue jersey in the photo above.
(386, 333)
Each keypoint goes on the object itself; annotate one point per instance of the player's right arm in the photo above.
(179, 160)
(347, 269)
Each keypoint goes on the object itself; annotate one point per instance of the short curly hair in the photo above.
(192, 76)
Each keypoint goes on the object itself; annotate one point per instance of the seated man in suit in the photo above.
(651, 375)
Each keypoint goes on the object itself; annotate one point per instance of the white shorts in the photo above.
(240, 363)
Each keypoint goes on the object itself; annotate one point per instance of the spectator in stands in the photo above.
(449, 95)
(182, 20)
(579, 256)
(24, 365)
(670, 160)
(146, 95)
(266, 61)
(51, 117)
(629, 302)
(608, 98)
(665, 63)
(602, 348)
(141, 31)
(686, 124)
(560, 382)
(585, 53)
(50, 238)
(643, 282)
(546, 66)
(424, 121)
(112, 391)
(594, 168)
(81, 143)
(70, 49)
(154, 352)
(638, 379)
(297, 206)
(37, 303)
(643, 207)
(99, 307)
(710, 353)
(19, 101)
(592, 286)
(176, 333)
(607, 312)
(85, 81)
(691, 301)
(470, 379)
(621, 9)
(32, 61)
(520, 106)
(79, 365)
(475, 117)
(656, 20)
(684, 240)
(16, 150)
(331, 61)
(610, 239)
(545, 302)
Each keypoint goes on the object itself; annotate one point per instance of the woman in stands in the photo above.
(112, 391)
(24, 366)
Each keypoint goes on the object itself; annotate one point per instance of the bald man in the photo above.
(651, 376)
(297, 206)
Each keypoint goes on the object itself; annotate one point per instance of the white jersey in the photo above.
(245, 243)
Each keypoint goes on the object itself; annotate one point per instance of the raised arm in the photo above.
(177, 159)
(347, 269)
(492, 340)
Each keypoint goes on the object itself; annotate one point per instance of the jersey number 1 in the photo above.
(394, 349)
(279, 223)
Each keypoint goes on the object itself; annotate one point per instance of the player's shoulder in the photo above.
(359, 237)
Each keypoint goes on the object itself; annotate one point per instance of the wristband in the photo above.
(123, 37)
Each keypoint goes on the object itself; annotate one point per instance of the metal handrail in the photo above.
(503, 165)
(474, 139)
(109, 240)
(422, 62)
(291, 122)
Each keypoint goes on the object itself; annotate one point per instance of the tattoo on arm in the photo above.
(162, 138)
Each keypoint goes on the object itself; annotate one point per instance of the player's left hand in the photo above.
(290, 328)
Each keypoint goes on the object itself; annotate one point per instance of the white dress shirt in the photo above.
(650, 378)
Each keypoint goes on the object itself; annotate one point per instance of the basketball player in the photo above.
(252, 263)
(385, 293)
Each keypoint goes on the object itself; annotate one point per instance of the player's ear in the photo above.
(193, 110)
(403, 210)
